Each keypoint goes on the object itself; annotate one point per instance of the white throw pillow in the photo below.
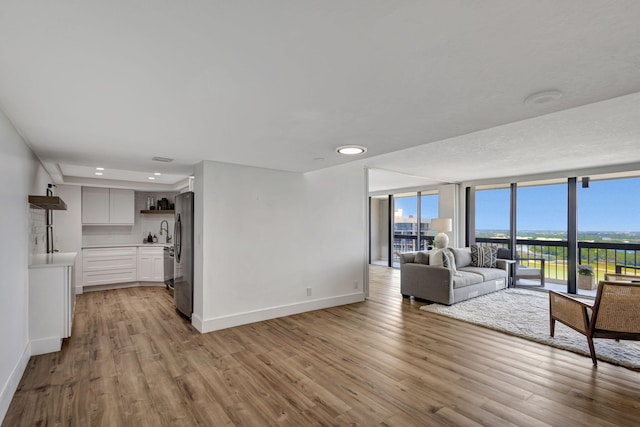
(435, 258)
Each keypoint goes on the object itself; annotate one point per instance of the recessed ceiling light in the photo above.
(351, 150)
(98, 173)
(151, 177)
(99, 169)
(157, 173)
(543, 97)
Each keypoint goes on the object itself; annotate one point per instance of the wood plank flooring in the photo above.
(132, 361)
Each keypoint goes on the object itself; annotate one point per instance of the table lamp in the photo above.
(441, 225)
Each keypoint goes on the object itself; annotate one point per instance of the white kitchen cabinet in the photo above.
(121, 206)
(108, 206)
(95, 205)
(51, 301)
(151, 264)
(104, 266)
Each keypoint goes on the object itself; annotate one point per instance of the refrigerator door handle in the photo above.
(177, 232)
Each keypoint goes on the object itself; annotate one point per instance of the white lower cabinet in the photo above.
(122, 264)
(104, 266)
(151, 264)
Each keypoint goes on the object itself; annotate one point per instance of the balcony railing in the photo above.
(620, 258)
(409, 243)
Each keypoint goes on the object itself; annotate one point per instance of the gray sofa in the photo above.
(440, 284)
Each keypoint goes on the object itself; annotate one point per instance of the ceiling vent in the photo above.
(162, 159)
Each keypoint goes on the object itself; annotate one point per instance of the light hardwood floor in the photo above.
(133, 362)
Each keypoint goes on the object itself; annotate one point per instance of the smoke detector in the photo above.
(543, 97)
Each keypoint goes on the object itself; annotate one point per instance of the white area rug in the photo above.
(526, 314)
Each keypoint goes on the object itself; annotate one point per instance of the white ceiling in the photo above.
(281, 84)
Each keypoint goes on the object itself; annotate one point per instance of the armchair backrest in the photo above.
(617, 308)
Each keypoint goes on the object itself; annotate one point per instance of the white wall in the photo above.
(375, 229)
(383, 229)
(448, 207)
(21, 174)
(263, 237)
(379, 229)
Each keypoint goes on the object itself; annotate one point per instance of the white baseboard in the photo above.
(111, 286)
(45, 345)
(197, 322)
(223, 322)
(10, 387)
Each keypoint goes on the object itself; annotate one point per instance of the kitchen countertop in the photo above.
(127, 245)
(57, 259)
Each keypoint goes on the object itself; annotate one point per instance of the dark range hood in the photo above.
(53, 203)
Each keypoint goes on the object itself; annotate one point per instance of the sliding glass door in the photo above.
(405, 224)
(542, 231)
(608, 230)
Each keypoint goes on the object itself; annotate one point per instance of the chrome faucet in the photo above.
(164, 221)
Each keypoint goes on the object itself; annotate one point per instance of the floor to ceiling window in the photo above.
(405, 224)
(542, 228)
(595, 216)
(428, 211)
(492, 214)
(608, 229)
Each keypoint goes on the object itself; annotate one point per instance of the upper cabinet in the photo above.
(108, 206)
(121, 206)
(95, 205)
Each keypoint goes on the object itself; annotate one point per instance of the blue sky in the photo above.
(610, 205)
(429, 207)
(605, 206)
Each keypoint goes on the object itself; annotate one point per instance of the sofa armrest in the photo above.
(421, 280)
(407, 257)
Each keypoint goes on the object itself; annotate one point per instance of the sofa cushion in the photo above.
(484, 256)
(422, 258)
(466, 278)
(462, 255)
(486, 273)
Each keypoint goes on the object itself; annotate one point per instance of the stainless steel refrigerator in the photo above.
(183, 254)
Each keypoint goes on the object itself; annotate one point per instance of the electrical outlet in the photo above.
(355, 284)
(308, 292)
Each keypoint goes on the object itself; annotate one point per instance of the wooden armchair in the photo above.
(615, 277)
(615, 314)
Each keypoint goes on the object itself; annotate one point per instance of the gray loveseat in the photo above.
(440, 284)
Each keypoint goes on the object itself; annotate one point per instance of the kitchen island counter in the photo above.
(56, 259)
(52, 296)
